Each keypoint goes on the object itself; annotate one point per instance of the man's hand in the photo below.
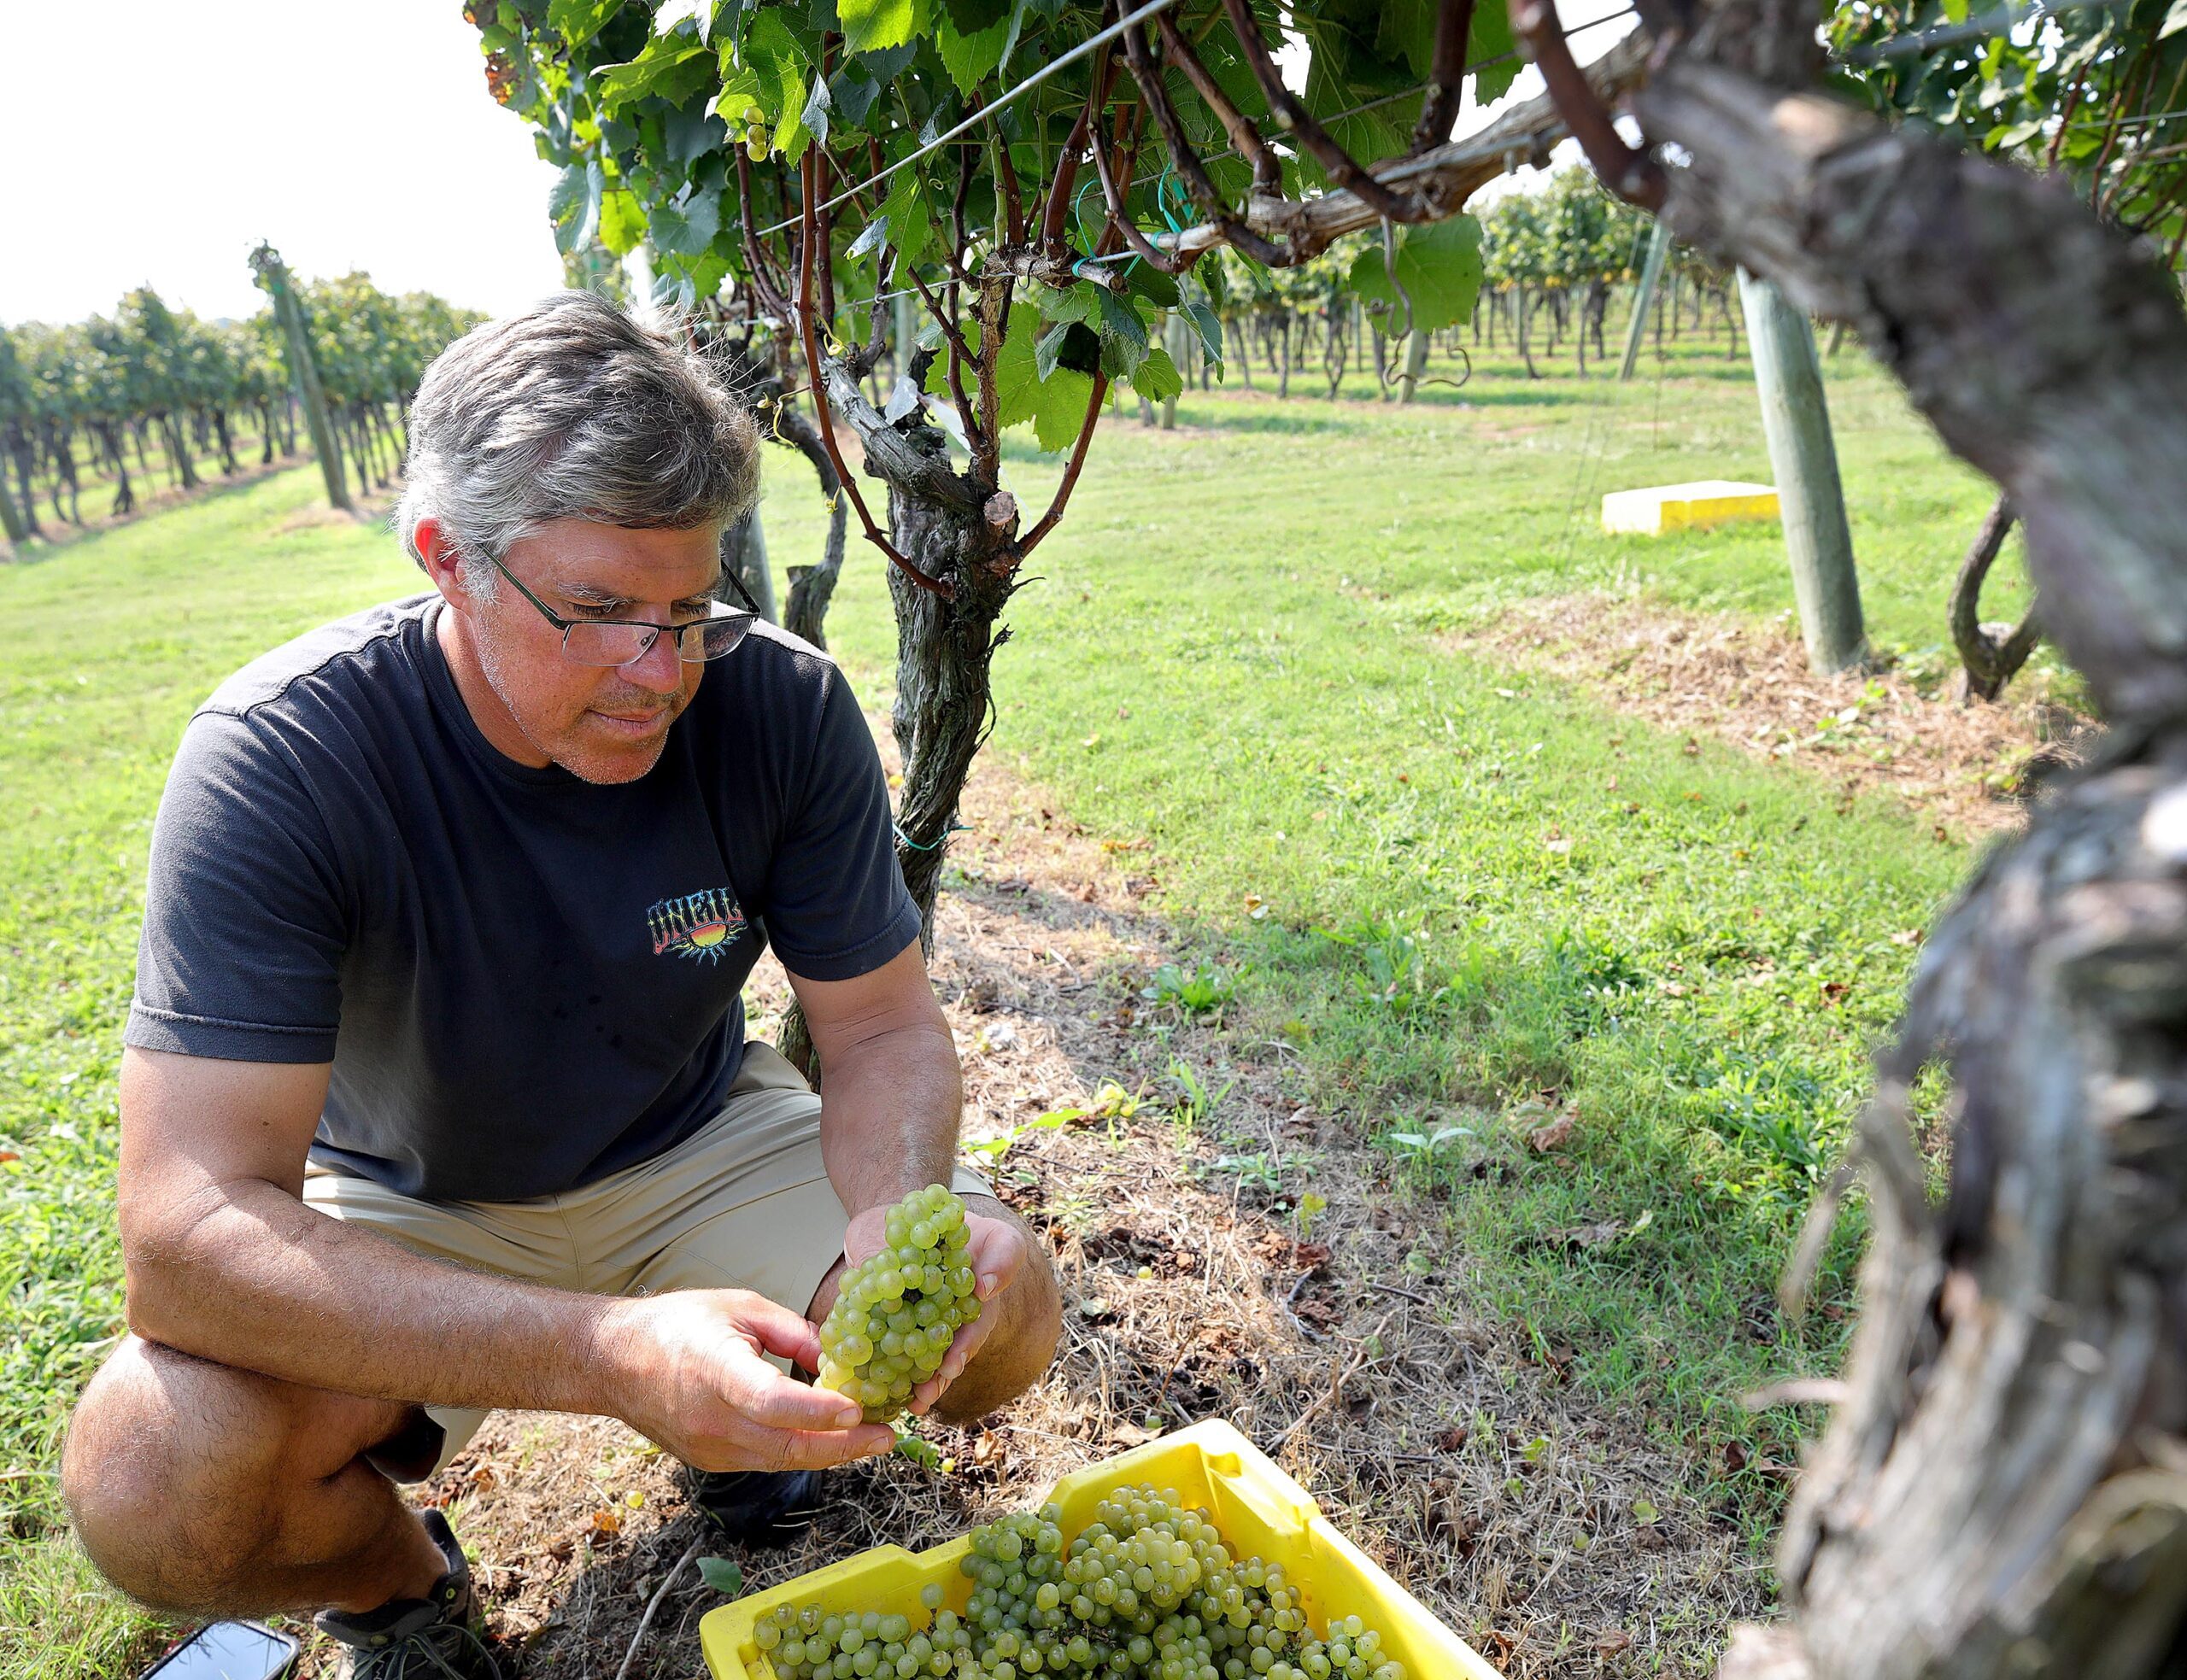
(685, 1370)
(995, 1251)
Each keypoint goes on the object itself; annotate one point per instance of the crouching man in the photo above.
(435, 1095)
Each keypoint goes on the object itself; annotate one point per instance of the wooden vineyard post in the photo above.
(1651, 274)
(303, 373)
(1796, 419)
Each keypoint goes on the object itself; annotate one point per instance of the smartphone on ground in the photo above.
(229, 1651)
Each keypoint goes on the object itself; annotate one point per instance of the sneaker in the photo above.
(436, 1638)
(757, 1508)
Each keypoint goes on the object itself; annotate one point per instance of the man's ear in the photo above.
(437, 554)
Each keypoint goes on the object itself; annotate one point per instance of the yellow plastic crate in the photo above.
(1257, 1507)
(1665, 508)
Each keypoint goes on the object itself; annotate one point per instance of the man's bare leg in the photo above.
(1023, 1343)
(211, 1491)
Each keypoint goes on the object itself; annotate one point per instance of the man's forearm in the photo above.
(889, 1112)
(262, 1282)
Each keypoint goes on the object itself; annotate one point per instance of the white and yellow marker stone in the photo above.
(1675, 507)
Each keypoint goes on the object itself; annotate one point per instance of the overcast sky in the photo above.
(157, 142)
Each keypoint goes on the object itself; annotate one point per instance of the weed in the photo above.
(1200, 990)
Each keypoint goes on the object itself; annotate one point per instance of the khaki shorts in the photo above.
(744, 1203)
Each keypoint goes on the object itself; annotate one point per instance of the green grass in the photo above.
(104, 650)
(1228, 653)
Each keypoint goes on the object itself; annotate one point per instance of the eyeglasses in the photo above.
(623, 642)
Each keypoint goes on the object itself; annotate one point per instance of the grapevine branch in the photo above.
(1446, 175)
(1447, 77)
(1246, 139)
(807, 236)
(1187, 162)
(1627, 171)
(1345, 170)
(1054, 515)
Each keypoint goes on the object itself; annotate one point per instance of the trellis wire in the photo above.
(986, 111)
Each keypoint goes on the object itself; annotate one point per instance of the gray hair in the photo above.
(566, 409)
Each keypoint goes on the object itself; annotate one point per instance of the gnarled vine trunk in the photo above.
(2004, 1490)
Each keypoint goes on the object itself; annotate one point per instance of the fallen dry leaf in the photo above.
(1553, 1134)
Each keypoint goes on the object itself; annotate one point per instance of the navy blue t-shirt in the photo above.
(525, 981)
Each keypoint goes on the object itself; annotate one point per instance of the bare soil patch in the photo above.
(1968, 767)
(1549, 1531)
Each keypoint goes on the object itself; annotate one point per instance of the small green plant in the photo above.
(1394, 973)
(1111, 1101)
(1196, 991)
(1195, 1102)
(1312, 1206)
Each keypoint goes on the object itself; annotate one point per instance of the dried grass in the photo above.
(1750, 685)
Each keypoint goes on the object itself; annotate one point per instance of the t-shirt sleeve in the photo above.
(243, 925)
(837, 904)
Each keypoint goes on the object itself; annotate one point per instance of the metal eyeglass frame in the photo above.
(565, 625)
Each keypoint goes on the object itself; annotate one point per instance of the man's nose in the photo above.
(659, 667)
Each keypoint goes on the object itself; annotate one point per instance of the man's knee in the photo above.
(172, 1472)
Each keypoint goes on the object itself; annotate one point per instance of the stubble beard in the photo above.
(570, 754)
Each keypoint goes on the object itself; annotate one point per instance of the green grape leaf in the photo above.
(685, 226)
(675, 12)
(675, 68)
(1406, 29)
(911, 223)
(1437, 264)
(1157, 378)
(1061, 409)
(622, 221)
(1080, 302)
(722, 1575)
(1152, 283)
(573, 205)
(1491, 38)
(1123, 335)
(740, 98)
(1048, 348)
(969, 17)
(1208, 326)
(852, 90)
(818, 109)
(1009, 41)
(872, 25)
(577, 21)
(970, 58)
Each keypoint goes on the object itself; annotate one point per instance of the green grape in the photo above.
(1147, 1590)
(899, 1310)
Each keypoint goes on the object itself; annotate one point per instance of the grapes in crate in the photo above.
(1147, 1591)
(899, 1311)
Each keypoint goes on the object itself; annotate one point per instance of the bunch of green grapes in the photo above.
(1147, 1591)
(899, 1311)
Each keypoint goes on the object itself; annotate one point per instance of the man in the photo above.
(434, 1095)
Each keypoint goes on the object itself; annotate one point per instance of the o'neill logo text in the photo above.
(702, 925)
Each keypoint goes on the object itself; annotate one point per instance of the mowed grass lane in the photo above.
(1484, 899)
(1227, 656)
